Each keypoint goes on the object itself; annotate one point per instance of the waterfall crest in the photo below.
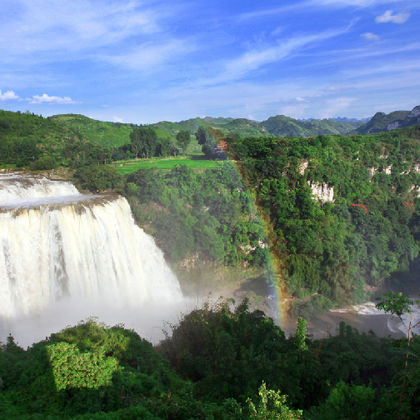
(57, 244)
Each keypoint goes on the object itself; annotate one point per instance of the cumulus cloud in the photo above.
(47, 99)
(117, 119)
(369, 36)
(8, 95)
(388, 17)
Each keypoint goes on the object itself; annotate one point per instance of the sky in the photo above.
(147, 61)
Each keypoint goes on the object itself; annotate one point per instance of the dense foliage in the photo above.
(94, 372)
(208, 139)
(369, 230)
(31, 141)
(98, 178)
(25, 137)
(189, 213)
(109, 134)
(226, 364)
(281, 125)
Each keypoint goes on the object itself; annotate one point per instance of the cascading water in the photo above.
(66, 255)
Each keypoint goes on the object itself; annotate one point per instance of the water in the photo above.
(367, 317)
(65, 256)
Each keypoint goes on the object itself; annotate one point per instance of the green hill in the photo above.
(73, 139)
(279, 125)
(283, 126)
(240, 126)
(100, 132)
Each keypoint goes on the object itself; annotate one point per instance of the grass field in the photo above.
(194, 162)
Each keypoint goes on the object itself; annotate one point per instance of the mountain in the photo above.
(351, 120)
(412, 118)
(385, 122)
(277, 126)
(282, 126)
(241, 126)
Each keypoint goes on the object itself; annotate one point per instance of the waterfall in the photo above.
(65, 250)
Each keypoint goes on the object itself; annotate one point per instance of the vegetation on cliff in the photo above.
(343, 211)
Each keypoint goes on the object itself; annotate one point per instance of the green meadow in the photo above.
(195, 162)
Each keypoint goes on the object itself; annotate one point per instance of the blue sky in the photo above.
(147, 61)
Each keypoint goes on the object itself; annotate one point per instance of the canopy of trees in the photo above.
(219, 363)
(208, 213)
(334, 248)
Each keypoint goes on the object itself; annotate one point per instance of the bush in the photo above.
(98, 178)
(44, 163)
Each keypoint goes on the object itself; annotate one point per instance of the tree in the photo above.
(208, 144)
(98, 178)
(301, 330)
(201, 135)
(272, 406)
(25, 151)
(143, 141)
(398, 304)
(183, 138)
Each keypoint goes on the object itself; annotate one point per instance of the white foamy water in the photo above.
(393, 323)
(65, 256)
(16, 189)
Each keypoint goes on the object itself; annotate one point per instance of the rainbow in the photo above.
(278, 295)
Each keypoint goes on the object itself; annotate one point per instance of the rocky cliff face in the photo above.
(386, 122)
(322, 192)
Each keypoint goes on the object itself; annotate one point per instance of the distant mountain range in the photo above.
(278, 126)
(112, 134)
(386, 122)
(282, 126)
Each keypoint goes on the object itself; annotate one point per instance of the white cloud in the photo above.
(46, 99)
(336, 105)
(353, 3)
(388, 16)
(338, 4)
(148, 56)
(293, 111)
(41, 26)
(8, 96)
(396, 67)
(117, 119)
(369, 36)
(253, 59)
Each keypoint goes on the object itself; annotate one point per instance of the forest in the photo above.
(363, 228)
(220, 362)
